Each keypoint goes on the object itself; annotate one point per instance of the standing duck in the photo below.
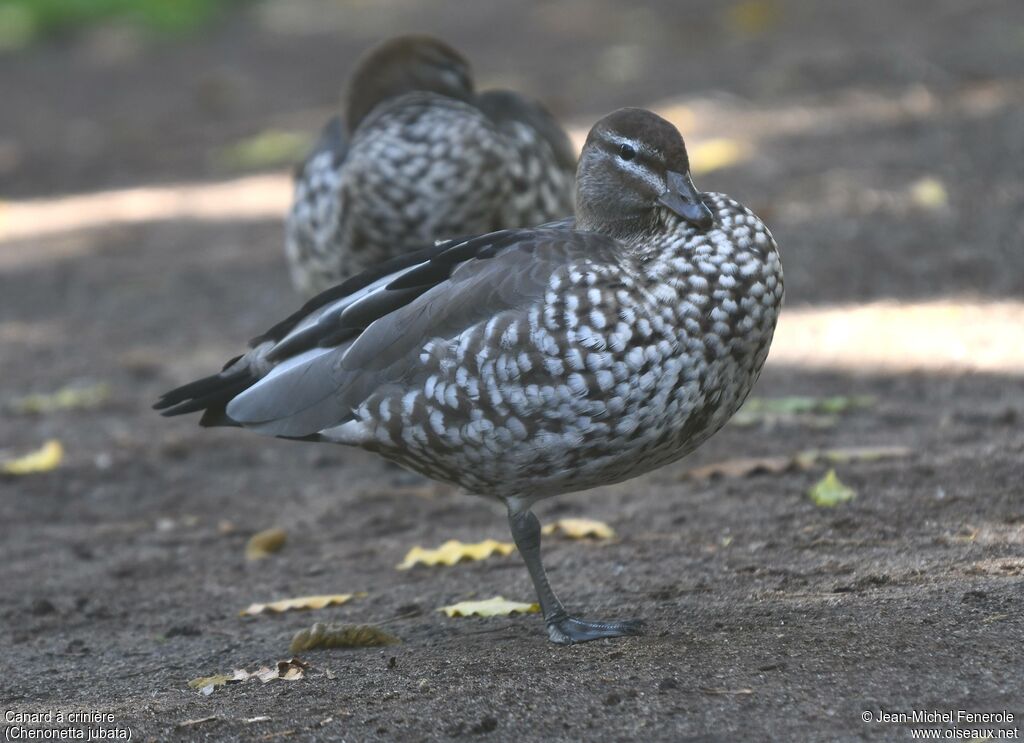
(421, 157)
(527, 363)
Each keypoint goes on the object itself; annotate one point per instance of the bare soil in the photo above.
(767, 617)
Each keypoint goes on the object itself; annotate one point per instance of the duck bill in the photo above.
(683, 199)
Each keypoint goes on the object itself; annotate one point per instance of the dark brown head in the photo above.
(633, 165)
(405, 64)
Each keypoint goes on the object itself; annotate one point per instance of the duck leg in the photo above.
(562, 628)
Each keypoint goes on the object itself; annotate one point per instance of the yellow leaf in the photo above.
(929, 193)
(268, 149)
(580, 529)
(303, 602)
(218, 680)
(715, 154)
(264, 543)
(341, 636)
(66, 398)
(496, 607)
(753, 17)
(44, 459)
(454, 551)
(800, 461)
(829, 491)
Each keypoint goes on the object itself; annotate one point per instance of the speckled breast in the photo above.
(621, 368)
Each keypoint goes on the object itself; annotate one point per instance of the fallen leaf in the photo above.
(799, 462)
(742, 468)
(66, 398)
(843, 455)
(44, 459)
(302, 602)
(496, 607)
(288, 670)
(727, 692)
(268, 149)
(291, 669)
(928, 193)
(580, 529)
(206, 684)
(454, 551)
(798, 409)
(264, 543)
(829, 491)
(216, 680)
(753, 17)
(715, 154)
(341, 636)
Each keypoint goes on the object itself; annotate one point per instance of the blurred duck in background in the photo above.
(419, 157)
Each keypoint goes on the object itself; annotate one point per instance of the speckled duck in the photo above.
(421, 157)
(527, 363)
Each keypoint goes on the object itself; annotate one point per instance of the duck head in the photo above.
(632, 168)
(405, 64)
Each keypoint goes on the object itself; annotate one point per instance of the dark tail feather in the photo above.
(211, 394)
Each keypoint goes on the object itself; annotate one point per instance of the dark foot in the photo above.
(569, 631)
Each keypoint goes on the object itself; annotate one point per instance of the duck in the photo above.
(420, 156)
(527, 363)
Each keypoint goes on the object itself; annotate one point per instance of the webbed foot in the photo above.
(569, 630)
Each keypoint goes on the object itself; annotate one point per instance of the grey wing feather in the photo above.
(320, 388)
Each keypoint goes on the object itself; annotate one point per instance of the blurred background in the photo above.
(145, 155)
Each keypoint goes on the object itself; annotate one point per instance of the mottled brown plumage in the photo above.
(421, 157)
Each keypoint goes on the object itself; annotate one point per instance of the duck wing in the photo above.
(309, 372)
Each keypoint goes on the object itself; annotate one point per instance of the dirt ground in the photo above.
(768, 618)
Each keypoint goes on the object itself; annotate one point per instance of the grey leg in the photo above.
(562, 628)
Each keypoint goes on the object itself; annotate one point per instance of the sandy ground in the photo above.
(882, 143)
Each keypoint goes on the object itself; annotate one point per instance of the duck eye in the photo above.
(626, 152)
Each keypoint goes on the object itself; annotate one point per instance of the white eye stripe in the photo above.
(640, 171)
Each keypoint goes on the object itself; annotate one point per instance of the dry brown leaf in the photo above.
(495, 607)
(302, 602)
(265, 543)
(742, 467)
(454, 551)
(580, 529)
(44, 459)
(341, 636)
(288, 670)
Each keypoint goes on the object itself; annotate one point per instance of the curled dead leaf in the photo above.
(341, 636)
(292, 669)
(302, 602)
(265, 543)
(44, 459)
(495, 607)
(453, 551)
(580, 529)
